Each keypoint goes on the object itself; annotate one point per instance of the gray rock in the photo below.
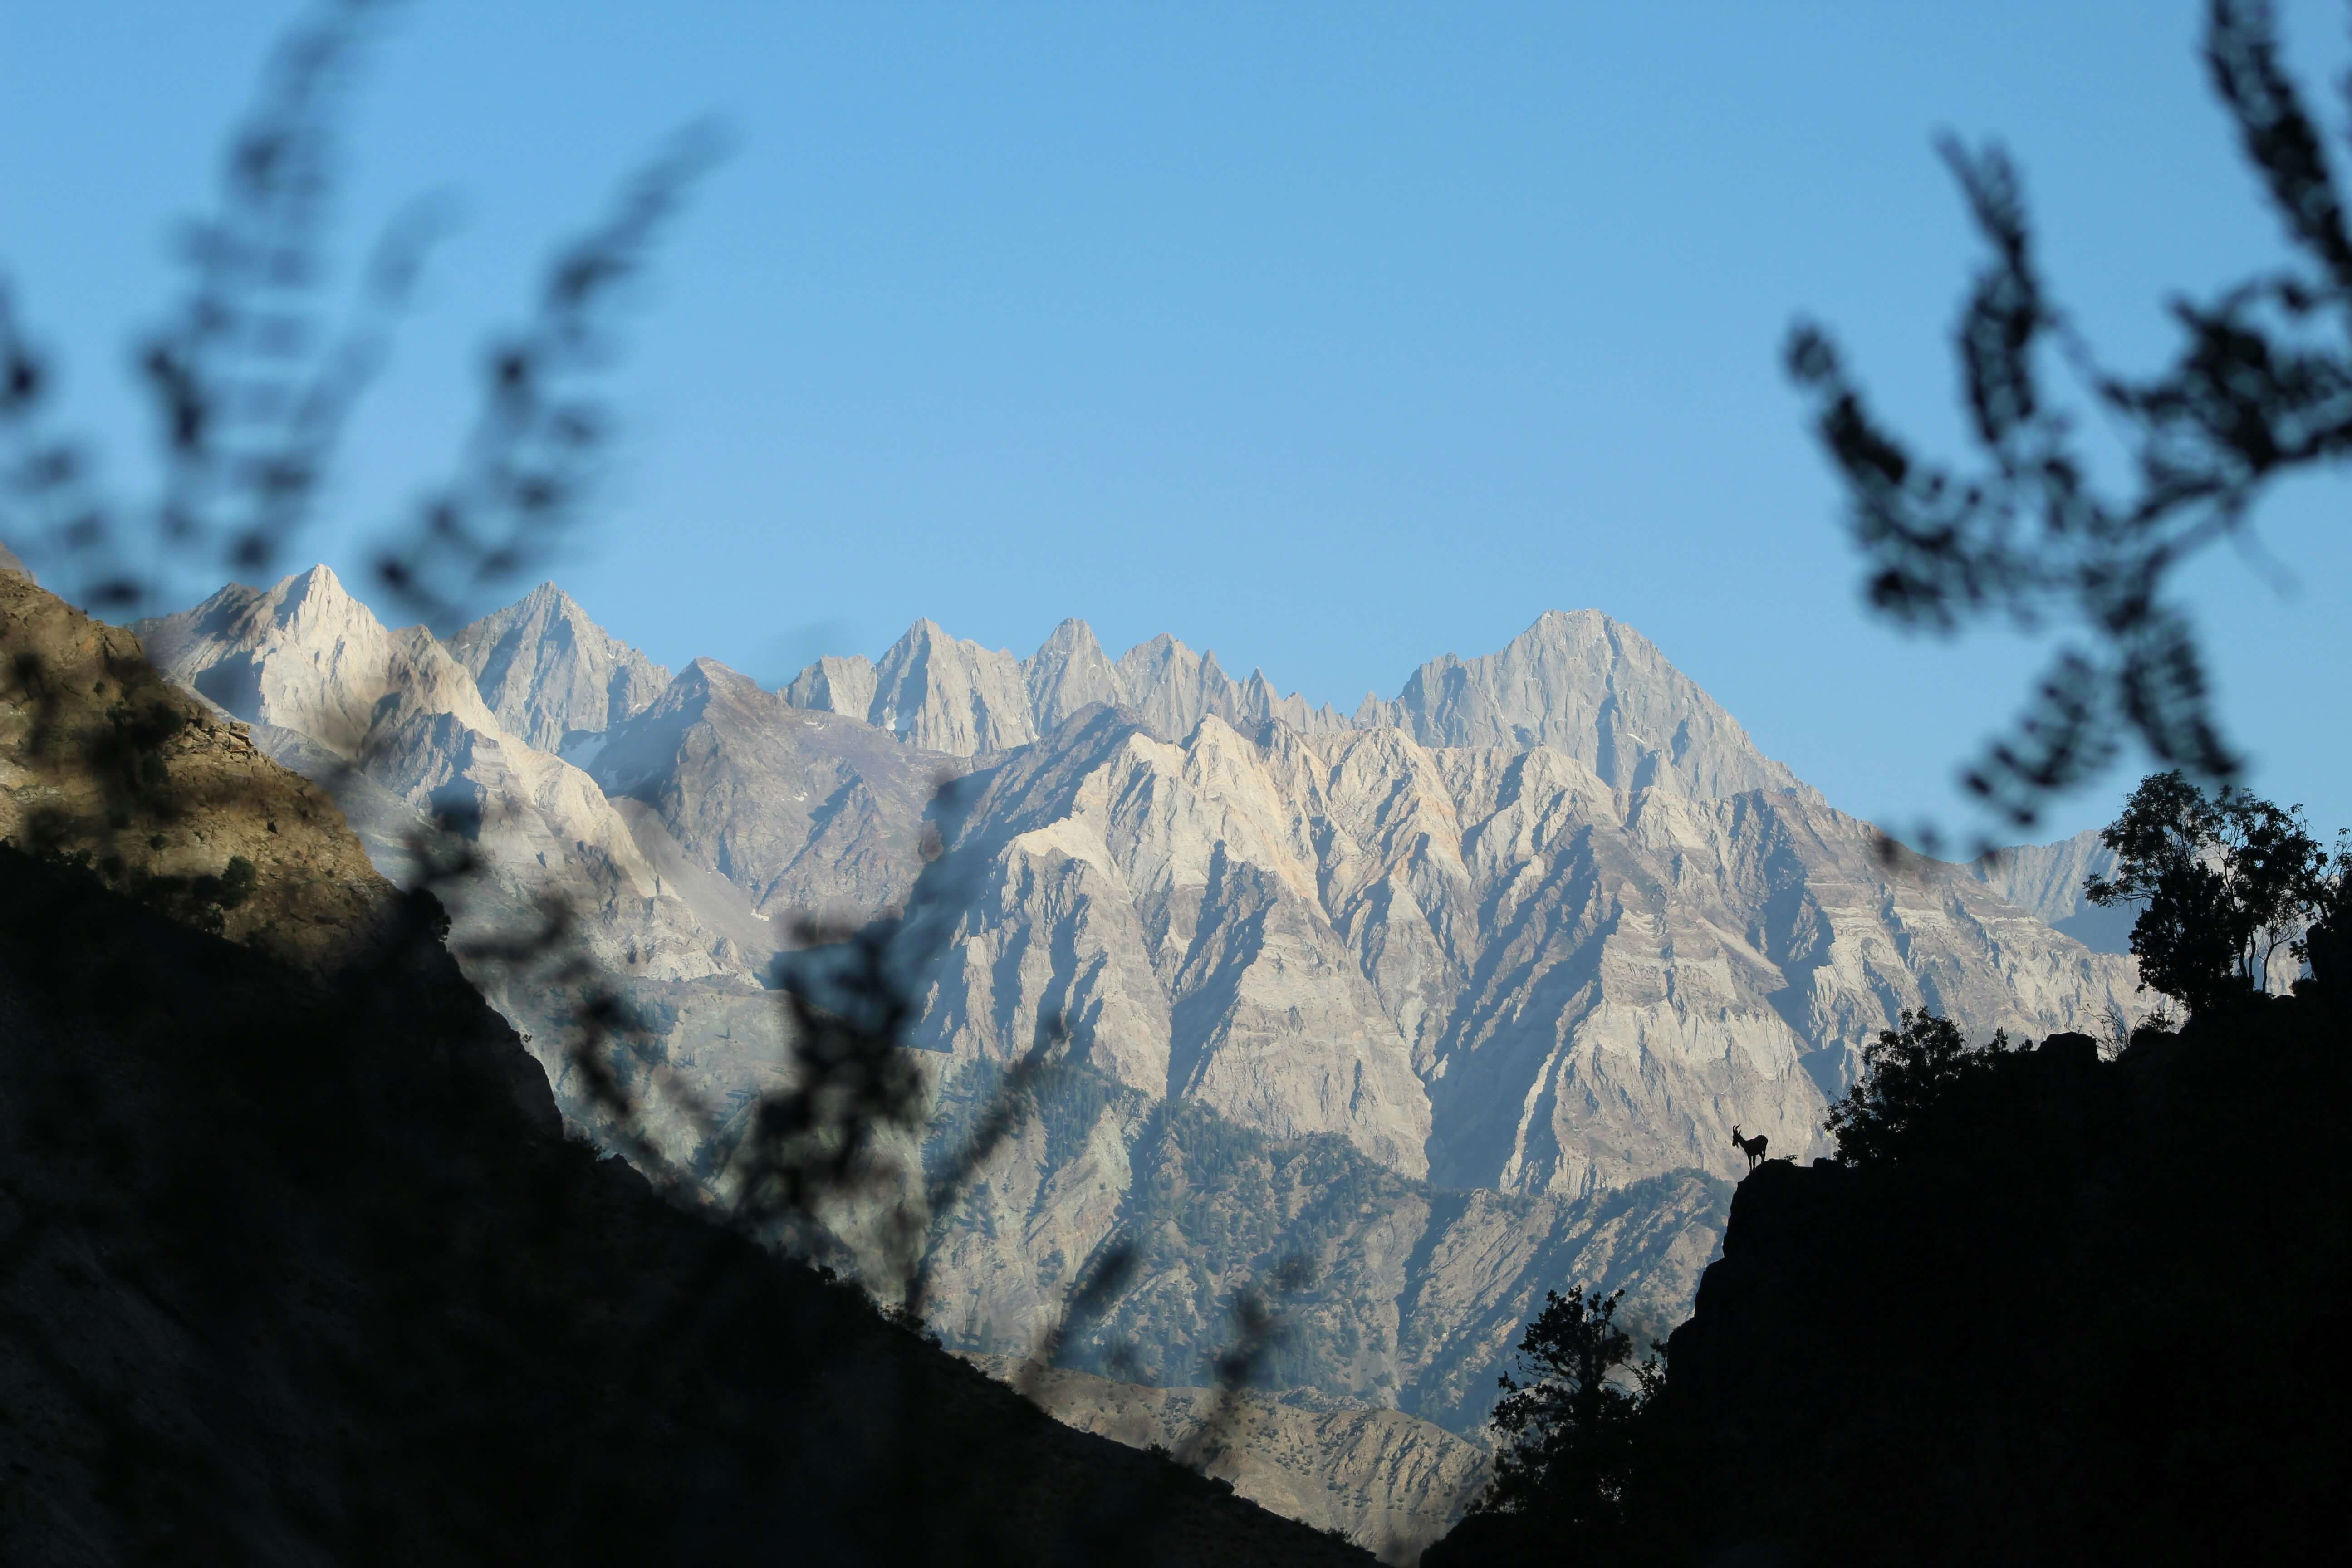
(1068, 672)
(1174, 689)
(551, 674)
(801, 811)
(1595, 688)
(834, 684)
(2046, 880)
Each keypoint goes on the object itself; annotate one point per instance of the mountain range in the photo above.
(1458, 997)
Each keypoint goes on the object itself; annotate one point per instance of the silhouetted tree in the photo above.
(1905, 1072)
(1570, 1431)
(2260, 388)
(2227, 879)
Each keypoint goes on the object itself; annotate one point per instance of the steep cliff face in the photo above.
(550, 674)
(803, 811)
(305, 655)
(1068, 672)
(2046, 881)
(1457, 1021)
(944, 694)
(396, 728)
(1499, 964)
(1174, 689)
(1484, 964)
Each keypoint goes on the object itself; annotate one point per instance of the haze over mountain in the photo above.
(1469, 989)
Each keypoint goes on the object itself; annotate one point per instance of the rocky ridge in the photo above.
(1477, 990)
(346, 699)
(943, 694)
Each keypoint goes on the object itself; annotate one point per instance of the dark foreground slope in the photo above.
(2078, 1311)
(289, 1272)
(2097, 1312)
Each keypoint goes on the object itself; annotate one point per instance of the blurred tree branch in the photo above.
(2259, 387)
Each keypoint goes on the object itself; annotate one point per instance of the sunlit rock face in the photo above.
(552, 676)
(397, 727)
(1595, 688)
(1548, 923)
(1482, 963)
(943, 694)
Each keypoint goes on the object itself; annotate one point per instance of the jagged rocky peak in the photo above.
(305, 656)
(1068, 672)
(835, 685)
(1174, 689)
(934, 691)
(1596, 689)
(551, 674)
(944, 694)
(802, 811)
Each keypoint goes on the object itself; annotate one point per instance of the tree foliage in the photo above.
(1905, 1073)
(1570, 1430)
(2226, 880)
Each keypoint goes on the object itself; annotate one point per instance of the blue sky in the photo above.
(1328, 337)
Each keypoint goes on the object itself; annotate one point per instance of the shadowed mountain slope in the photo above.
(291, 1277)
(1388, 1482)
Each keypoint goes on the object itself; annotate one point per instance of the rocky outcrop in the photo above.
(1069, 672)
(552, 676)
(1174, 689)
(1847, 1391)
(944, 694)
(1388, 1482)
(1161, 902)
(396, 730)
(834, 684)
(1488, 964)
(1498, 963)
(934, 691)
(1454, 1022)
(305, 655)
(105, 762)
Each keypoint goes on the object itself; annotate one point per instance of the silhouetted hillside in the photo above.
(289, 1273)
(2069, 1311)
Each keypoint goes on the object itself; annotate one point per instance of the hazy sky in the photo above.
(1328, 337)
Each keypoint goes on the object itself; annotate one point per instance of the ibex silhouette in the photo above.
(1751, 1147)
